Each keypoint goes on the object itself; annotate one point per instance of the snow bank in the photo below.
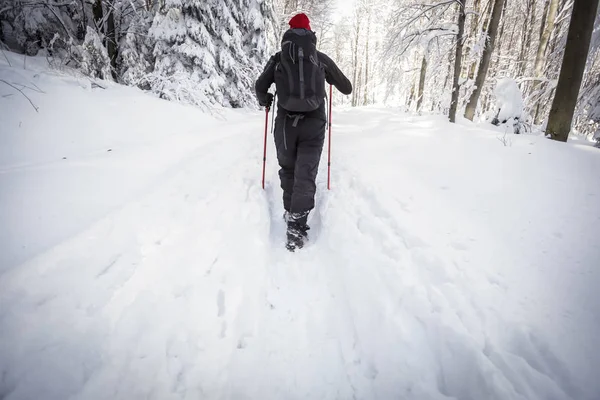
(114, 143)
(441, 265)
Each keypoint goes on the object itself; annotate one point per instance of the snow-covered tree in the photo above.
(135, 60)
(93, 56)
(209, 52)
(30, 25)
(400, 52)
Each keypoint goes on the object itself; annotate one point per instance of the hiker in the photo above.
(299, 72)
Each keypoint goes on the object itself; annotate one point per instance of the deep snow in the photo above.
(443, 264)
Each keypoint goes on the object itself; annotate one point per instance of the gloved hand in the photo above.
(268, 101)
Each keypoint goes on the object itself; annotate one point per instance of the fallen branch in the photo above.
(5, 56)
(37, 89)
(27, 97)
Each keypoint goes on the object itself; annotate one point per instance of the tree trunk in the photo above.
(540, 59)
(366, 86)
(449, 74)
(359, 86)
(111, 39)
(422, 81)
(98, 15)
(527, 39)
(543, 23)
(581, 27)
(496, 65)
(523, 36)
(483, 18)
(485, 59)
(355, 63)
(84, 22)
(458, 60)
(472, 68)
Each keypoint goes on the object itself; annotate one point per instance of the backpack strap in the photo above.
(277, 59)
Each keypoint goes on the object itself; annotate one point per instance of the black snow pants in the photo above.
(299, 141)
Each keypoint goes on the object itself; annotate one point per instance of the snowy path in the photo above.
(417, 283)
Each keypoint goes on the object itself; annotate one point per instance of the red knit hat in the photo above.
(300, 21)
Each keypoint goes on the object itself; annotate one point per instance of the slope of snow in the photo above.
(116, 138)
(441, 265)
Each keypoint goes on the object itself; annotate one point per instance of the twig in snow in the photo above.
(7, 60)
(37, 89)
(27, 97)
(505, 140)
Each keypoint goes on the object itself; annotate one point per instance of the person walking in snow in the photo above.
(299, 72)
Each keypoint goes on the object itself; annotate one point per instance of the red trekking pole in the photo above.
(329, 145)
(265, 147)
(265, 143)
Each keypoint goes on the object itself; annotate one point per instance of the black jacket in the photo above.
(333, 76)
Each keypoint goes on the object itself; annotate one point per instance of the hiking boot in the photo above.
(296, 235)
(297, 230)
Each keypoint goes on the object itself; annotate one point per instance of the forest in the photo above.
(497, 61)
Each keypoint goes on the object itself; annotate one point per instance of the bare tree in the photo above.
(571, 71)
(485, 59)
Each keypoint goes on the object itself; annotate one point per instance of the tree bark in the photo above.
(496, 65)
(540, 59)
(447, 78)
(526, 43)
(422, 81)
(581, 27)
(472, 68)
(485, 59)
(366, 86)
(111, 39)
(458, 61)
(98, 15)
(358, 87)
(355, 64)
(543, 23)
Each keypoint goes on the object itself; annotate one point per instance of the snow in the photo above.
(509, 99)
(442, 264)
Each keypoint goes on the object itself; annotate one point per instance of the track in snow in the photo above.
(188, 292)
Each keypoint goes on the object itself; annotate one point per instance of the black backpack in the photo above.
(299, 76)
